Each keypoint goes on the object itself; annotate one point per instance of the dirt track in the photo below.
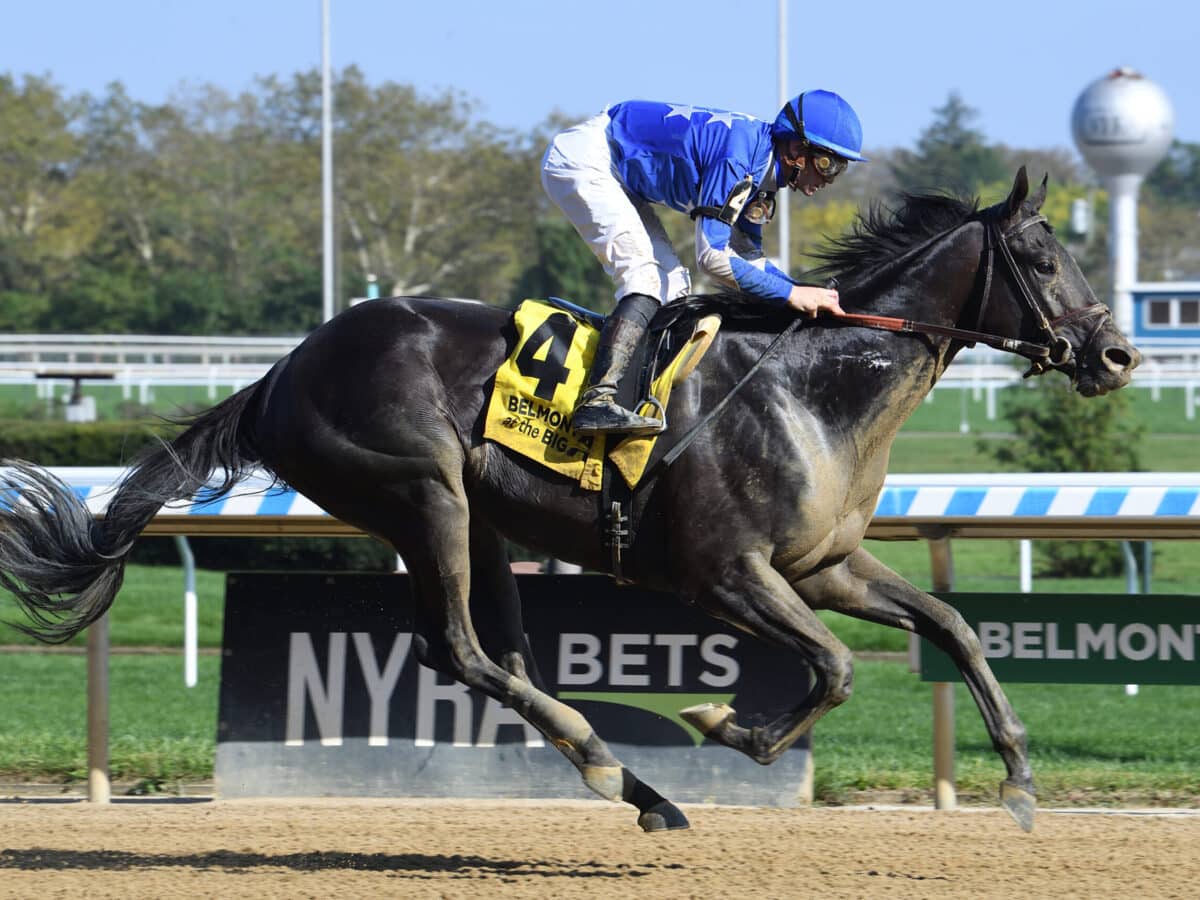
(355, 848)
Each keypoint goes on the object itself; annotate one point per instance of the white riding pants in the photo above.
(624, 232)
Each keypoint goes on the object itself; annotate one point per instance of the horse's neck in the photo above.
(936, 288)
(935, 285)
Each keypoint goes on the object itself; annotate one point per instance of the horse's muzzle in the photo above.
(1109, 369)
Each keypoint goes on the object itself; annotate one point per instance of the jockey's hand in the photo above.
(812, 301)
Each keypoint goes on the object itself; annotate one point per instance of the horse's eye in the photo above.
(1045, 266)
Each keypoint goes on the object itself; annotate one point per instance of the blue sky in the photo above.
(1020, 63)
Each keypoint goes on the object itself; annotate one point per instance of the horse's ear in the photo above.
(1020, 190)
(1039, 196)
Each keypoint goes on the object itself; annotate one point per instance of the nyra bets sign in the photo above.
(321, 693)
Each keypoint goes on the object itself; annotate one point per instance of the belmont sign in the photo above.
(1079, 638)
(321, 693)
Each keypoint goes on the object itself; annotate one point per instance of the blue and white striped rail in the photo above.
(1106, 504)
(1111, 505)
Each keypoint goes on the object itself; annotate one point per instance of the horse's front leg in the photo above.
(865, 588)
(753, 596)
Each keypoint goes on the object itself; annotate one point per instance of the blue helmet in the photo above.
(822, 118)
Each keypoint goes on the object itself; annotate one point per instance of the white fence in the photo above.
(141, 362)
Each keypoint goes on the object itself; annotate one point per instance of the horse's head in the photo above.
(1050, 302)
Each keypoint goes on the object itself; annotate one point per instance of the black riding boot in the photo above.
(597, 410)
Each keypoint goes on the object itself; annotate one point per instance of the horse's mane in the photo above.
(880, 235)
(885, 232)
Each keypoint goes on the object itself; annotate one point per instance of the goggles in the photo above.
(828, 165)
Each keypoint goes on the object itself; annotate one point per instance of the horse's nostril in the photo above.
(1119, 359)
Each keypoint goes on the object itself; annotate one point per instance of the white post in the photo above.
(99, 785)
(1026, 565)
(191, 629)
(782, 201)
(326, 170)
(1123, 244)
(943, 692)
(1131, 586)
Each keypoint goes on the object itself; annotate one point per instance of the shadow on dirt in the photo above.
(45, 859)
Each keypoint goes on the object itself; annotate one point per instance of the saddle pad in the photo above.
(536, 388)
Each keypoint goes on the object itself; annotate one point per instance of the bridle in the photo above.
(1056, 352)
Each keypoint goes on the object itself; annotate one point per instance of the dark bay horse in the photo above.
(377, 417)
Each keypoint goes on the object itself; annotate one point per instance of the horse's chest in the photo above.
(829, 519)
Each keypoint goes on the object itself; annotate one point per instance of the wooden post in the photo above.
(943, 693)
(99, 787)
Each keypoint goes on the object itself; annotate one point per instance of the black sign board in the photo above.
(321, 693)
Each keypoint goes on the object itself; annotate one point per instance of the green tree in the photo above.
(566, 268)
(39, 148)
(950, 155)
(1176, 180)
(1169, 232)
(1057, 430)
(431, 200)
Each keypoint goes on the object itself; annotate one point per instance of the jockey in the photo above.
(721, 168)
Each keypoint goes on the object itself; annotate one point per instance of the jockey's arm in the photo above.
(734, 258)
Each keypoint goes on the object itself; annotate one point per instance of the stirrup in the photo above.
(603, 415)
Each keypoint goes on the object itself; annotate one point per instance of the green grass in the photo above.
(148, 611)
(946, 409)
(928, 453)
(161, 730)
(21, 401)
(1088, 743)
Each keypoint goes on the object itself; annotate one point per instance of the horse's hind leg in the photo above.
(753, 596)
(865, 588)
(496, 605)
(434, 542)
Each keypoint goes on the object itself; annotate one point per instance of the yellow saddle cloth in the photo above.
(531, 406)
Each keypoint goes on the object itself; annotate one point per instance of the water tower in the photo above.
(1123, 125)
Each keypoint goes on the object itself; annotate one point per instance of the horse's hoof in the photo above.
(663, 816)
(707, 717)
(1020, 803)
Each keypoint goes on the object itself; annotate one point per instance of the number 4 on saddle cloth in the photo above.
(533, 401)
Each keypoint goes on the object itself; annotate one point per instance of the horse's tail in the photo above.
(63, 566)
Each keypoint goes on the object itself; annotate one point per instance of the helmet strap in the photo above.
(795, 117)
(794, 166)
